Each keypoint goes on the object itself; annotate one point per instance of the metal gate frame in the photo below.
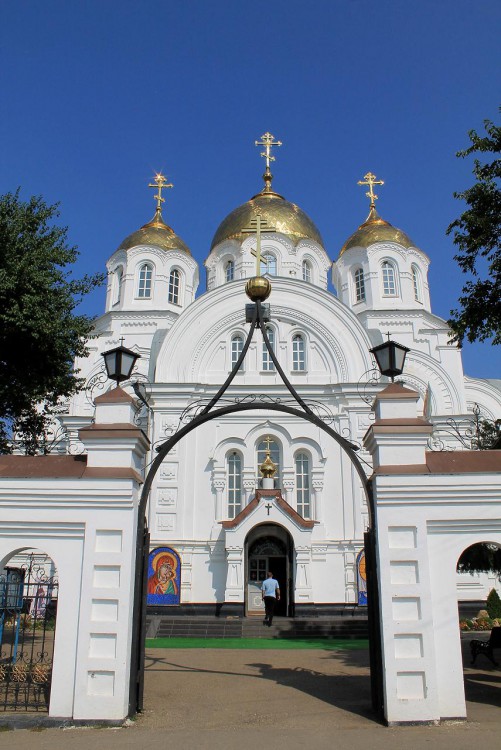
(255, 315)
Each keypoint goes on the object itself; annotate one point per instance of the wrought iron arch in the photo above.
(257, 315)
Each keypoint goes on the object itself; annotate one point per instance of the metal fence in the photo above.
(28, 608)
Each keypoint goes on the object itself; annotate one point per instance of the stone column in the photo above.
(249, 485)
(303, 575)
(219, 484)
(317, 484)
(234, 579)
(288, 488)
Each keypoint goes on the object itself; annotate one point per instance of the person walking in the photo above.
(270, 593)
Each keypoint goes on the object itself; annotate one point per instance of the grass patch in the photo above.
(272, 644)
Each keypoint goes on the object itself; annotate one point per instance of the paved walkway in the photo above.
(312, 699)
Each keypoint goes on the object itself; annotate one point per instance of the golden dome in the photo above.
(155, 232)
(288, 219)
(375, 229)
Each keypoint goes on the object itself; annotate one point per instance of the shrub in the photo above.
(494, 604)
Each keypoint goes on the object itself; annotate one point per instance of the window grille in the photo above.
(298, 353)
(268, 265)
(267, 360)
(237, 344)
(234, 485)
(144, 285)
(359, 285)
(389, 283)
(174, 287)
(303, 502)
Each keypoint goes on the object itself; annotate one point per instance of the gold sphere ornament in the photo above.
(258, 288)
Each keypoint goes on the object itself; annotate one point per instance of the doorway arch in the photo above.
(269, 547)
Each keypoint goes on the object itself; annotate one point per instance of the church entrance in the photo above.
(269, 548)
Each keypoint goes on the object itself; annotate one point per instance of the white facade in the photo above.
(187, 347)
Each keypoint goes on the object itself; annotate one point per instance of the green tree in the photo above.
(477, 234)
(493, 604)
(40, 334)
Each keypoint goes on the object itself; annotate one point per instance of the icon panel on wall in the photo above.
(164, 577)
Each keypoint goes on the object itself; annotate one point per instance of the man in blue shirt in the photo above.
(270, 593)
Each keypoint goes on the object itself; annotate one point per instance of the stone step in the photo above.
(252, 627)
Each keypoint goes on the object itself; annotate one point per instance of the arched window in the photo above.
(174, 282)
(298, 353)
(306, 271)
(389, 281)
(359, 286)
(234, 467)
(229, 270)
(416, 281)
(267, 360)
(274, 455)
(237, 344)
(117, 285)
(144, 281)
(303, 502)
(268, 264)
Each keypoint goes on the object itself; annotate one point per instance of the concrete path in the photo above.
(281, 700)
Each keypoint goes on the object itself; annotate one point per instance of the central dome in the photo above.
(288, 219)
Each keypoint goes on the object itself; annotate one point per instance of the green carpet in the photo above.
(331, 644)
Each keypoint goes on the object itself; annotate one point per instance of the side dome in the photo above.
(288, 219)
(375, 229)
(156, 232)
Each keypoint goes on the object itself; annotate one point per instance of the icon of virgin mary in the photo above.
(163, 580)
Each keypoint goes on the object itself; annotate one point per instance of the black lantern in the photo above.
(390, 358)
(120, 363)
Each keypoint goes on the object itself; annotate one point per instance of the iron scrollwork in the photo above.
(28, 606)
(475, 432)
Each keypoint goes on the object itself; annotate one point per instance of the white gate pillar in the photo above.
(397, 439)
(116, 450)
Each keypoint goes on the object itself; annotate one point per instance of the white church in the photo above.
(211, 542)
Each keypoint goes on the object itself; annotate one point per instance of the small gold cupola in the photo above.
(268, 469)
(156, 232)
(375, 229)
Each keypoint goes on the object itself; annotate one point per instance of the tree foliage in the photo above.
(477, 235)
(480, 558)
(493, 604)
(40, 334)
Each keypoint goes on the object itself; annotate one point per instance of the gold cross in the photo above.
(258, 225)
(370, 180)
(267, 140)
(159, 182)
(268, 440)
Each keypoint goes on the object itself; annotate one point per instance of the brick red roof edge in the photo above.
(283, 504)
(450, 462)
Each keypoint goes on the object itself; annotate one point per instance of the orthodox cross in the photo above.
(258, 225)
(268, 507)
(268, 440)
(159, 182)
(267, 140)
(370, 180)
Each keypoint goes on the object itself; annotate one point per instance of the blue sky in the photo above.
(99, 94)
